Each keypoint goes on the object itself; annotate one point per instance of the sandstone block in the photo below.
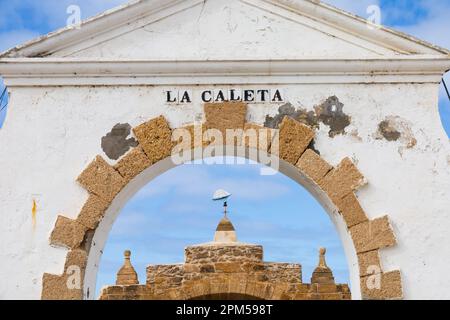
(155, 138)
(341, 181)
(294, 138)
(373, 235)
(92, 212)
(228, 115)
(133, 163)
(68, 233)
(56, 288)
(351, 210)
(369, 263)
(101, 179)
(390, 286)
(311, 164)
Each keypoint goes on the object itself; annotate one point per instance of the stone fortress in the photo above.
(226, 269)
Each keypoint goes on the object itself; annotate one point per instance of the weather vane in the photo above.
(222, 195)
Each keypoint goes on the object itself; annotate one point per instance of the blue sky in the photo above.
(175, 209)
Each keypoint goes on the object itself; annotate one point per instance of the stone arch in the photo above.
(334, 187)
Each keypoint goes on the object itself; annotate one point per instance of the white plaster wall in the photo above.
(52, 133)
(224, 29)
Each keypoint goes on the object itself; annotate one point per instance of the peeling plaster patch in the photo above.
(388, 131)
(331, 114)
(394, 128)
(115, 144)
(308, 118)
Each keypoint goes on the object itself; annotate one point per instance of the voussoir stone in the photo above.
(373, 235)
(311, 164)
(101, 179)
(133, 164)
(294, 138)
(155, 138)
(68, 233)
(382, 286)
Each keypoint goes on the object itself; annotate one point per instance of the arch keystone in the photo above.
(227, 115)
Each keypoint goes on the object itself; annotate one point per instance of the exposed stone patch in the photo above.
(331, 114)
(394, 128)
(116, 143)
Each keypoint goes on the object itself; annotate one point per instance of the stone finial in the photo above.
(127, 275)
(225, 231)
(322, 274)
(322, 262)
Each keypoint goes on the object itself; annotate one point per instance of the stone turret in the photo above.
(127, 275)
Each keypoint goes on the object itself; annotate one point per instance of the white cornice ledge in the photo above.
(63, 71)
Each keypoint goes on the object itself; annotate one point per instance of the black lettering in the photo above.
(234, 96)
(186, 98)
(169, 97)
(263, 95)
(220, 97)
(249, 95)
(204, 93)
(277, 97)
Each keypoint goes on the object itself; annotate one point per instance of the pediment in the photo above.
(224, 29)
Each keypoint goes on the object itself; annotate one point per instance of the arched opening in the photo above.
(175, 210)
(132, 188)
(111, 187)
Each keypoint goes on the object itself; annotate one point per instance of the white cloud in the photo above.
(434, 28)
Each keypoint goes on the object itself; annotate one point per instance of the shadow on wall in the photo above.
(3, 102)
(444, 103)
